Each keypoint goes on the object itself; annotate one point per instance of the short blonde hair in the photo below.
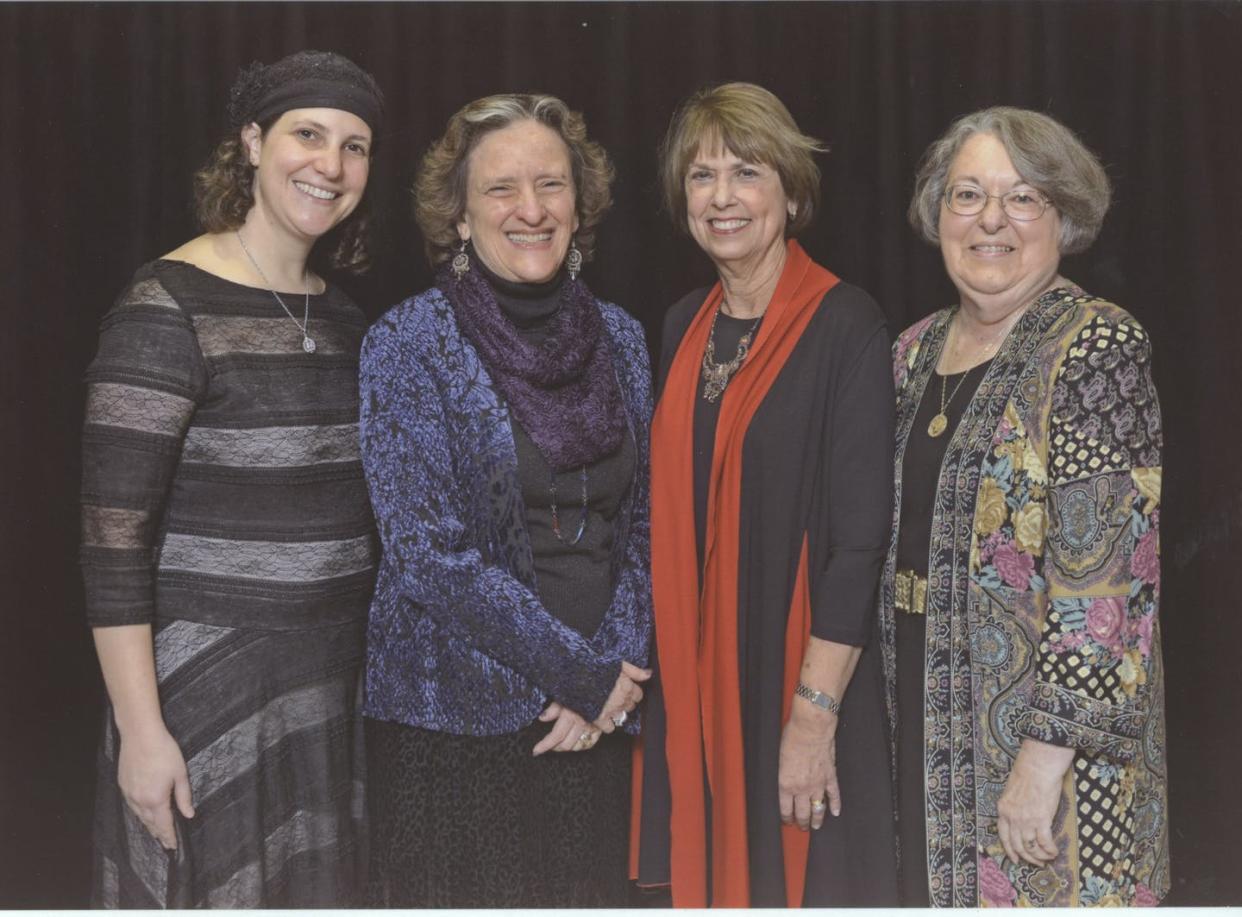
(440, 188)
(752, 124)
(1046, 153)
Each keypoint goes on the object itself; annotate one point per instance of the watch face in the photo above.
(818, 698)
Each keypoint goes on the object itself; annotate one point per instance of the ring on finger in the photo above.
(818, 805)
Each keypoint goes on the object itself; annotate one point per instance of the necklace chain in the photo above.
(941, 421)
(716, 376)
(308, 343)
(556, 521)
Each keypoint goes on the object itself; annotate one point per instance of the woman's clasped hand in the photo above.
(571, 732)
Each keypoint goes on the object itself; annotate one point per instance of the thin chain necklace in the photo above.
(940, 421)
(556, 521)
(717, 375)
(308, 343)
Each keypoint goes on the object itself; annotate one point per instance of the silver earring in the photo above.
(461, 261)
(573, 261)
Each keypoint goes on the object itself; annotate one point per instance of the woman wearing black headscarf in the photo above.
(228, 550)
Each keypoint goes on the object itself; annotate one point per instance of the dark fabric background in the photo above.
(105, 110)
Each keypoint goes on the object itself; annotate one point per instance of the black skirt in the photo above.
(477, 821)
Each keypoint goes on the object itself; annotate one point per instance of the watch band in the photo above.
(818, 698)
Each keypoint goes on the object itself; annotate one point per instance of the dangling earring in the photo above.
(461, 261)
(573, 261)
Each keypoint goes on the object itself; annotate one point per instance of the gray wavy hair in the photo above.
(1046, 153)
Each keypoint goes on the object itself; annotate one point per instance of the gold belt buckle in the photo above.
(911, 593)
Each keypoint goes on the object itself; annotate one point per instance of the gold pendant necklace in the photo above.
(940, 422)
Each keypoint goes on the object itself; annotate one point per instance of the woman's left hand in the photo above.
(570, 732)
(808, 768)
(1029, 802)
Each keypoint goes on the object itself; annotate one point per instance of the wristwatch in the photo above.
(818, 698)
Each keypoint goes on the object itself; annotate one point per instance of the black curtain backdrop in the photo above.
(106, 110)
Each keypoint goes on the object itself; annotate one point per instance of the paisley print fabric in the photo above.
(1044, 579)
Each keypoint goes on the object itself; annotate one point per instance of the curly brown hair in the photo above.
(440, 188)
(224, 194)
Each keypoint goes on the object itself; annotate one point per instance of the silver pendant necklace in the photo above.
(308, 342)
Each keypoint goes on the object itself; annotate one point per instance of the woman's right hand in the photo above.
(150, 767)
(150, 771)
(625, 696)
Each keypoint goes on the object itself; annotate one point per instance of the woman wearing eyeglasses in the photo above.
(1020, 593)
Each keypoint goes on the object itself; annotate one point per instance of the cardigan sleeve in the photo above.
(855, 493)
(409, 463)
(627, 624)
(142, 389)
(1100, 636)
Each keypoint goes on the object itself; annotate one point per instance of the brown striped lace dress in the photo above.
(223, 503)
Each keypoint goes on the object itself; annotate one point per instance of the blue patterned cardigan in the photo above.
(458, 640)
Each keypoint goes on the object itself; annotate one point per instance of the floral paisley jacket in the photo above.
(1044, 582)
(458, 640)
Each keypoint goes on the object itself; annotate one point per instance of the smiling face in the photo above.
(520, 214)
(735, 210)
(995, 261)
(312, 167)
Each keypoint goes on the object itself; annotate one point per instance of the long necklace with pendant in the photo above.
(308, 342)
(940, 421)
(556, 519)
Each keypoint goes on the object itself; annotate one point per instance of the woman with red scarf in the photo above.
(765, 773)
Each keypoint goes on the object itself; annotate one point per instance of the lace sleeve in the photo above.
(142, 388)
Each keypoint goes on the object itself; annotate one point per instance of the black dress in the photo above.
(920, 469)
(477, 821)
(797, 452)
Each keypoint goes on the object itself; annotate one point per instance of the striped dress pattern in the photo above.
(223, 503)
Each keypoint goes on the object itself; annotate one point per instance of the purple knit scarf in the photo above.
(561, 389)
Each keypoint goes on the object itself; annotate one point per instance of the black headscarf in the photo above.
(307, 79)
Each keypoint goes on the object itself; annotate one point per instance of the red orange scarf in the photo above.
(696, 635)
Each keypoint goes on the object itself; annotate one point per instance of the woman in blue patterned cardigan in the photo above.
(504, 430)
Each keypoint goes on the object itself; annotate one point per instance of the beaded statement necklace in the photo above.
(716, 376)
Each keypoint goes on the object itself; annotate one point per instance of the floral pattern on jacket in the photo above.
(1042, 607)
(458, 640)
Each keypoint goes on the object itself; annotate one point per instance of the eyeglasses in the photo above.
(1018, 204)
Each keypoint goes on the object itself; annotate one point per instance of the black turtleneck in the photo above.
(527, 305)
(574, 582)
